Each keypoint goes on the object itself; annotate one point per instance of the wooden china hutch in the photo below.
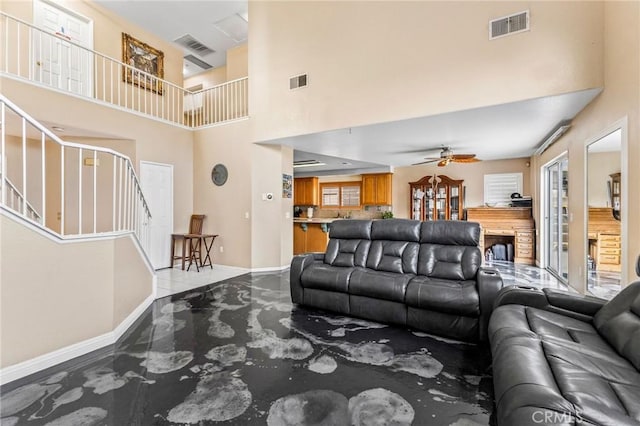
(436, 197)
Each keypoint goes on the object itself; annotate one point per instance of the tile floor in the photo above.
(227, 347)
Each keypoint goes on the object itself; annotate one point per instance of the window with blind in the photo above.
(498, 187)
(340, 195)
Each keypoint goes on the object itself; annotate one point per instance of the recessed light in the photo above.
(346, 163)
(58, 129)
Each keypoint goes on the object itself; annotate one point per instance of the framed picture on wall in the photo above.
(145, 63)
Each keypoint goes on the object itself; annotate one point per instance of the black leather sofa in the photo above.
(564, 359)
(425, 275)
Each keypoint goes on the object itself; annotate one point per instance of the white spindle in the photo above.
(44, 178)
(24, 166)
(113, 198)
(95, 190)
(80, 191)
(62, 172)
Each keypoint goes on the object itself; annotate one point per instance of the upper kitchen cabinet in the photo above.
(376, 189)
(305, 191)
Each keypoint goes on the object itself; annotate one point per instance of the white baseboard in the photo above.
(25, 368)
(270, 268)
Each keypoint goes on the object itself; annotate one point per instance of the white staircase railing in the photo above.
(52, 60)
(71, 190)
(15, 201)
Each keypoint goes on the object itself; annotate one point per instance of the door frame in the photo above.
(544, 225)
(143, 163)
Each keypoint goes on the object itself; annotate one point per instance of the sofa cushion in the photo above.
(557, 363)
(450, 232)
(449, 262)
(379, 284)
(400, 257)
(457, 297)
(346, 253)
(326, 277)
(353, 229)
(396, 230)
(619, 323)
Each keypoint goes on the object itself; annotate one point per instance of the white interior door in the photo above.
(156, 180)
(56, 62)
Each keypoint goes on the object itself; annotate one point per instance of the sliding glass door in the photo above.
(557, 217)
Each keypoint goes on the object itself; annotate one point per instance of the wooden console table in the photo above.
(503, 225)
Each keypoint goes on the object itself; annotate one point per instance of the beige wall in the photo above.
(618, 102)
(132, 280)
(208, 79)
(599, 166)
(71, 281)
(272, 220)
(227, 206)
(238, 62)
(472, 173)
(422, 58)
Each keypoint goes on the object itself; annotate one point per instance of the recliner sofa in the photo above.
(565, 359)
(425, 275)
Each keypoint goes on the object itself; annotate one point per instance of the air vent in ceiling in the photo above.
(194, 45)
(202, 64)
(234, 26)
(508, 25)
(307, 163)
(297, 81)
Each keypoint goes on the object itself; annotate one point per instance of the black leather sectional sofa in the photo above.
(563, 359)
(426, 275)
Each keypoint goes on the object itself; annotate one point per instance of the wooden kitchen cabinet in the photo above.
(310, 237)
(305, 191)
(376, 189)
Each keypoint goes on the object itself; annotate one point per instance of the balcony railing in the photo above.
(70, 190)
(54, 61)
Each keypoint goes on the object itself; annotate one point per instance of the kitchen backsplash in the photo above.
(365, 213)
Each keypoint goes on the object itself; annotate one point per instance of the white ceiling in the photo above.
(170, 19)
(511, 130)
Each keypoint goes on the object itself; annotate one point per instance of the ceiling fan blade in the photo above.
(462, 156)
(427, 161)
(465, 160)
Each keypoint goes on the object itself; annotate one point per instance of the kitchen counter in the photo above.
(315, 219)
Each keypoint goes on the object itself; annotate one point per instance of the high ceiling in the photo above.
(494, 132)
(218, 25)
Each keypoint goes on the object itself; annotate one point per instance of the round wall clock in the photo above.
(219, 174)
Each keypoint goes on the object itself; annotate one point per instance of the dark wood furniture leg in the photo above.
(194, 246)
(207, 250)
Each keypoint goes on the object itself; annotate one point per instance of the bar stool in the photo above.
(190, 240)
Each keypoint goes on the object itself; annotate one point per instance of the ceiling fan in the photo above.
(447, 156)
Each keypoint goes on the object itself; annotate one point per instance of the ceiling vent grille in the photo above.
(297, 81)
(187, 41)
(508, 25)
(202, 64)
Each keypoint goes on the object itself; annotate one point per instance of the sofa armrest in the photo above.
(587, 305)
(561, 302)
(298, 265)
(489, 284)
